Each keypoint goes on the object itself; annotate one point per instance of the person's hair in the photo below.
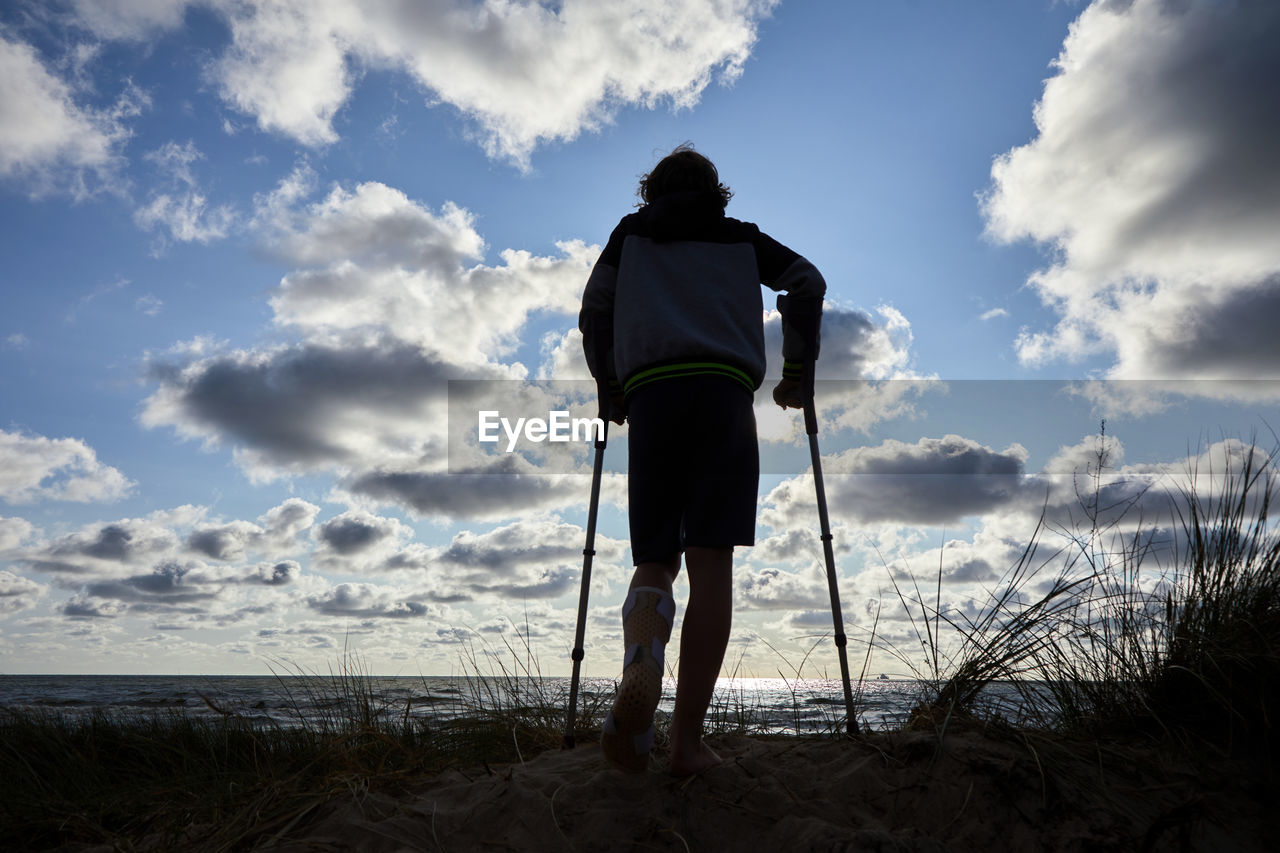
(681, 170)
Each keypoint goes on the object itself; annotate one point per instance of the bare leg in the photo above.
(704, 635)
(658, 574)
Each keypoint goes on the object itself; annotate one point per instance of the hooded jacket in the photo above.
(676, 291)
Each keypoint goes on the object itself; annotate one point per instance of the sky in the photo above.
(264, 261)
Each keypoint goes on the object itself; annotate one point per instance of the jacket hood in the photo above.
(682, 215)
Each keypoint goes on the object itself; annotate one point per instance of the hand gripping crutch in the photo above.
(589, 552)
(804, 315)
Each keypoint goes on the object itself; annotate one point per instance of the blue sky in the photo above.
(246, 245)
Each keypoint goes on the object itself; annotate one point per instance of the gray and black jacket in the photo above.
(676, 292)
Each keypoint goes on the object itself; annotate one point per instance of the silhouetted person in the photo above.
(674, 308)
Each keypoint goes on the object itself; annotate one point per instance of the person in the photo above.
(672, 316)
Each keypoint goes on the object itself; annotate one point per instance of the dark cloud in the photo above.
(498, 492)
(850, 341)
(1155, 177)
(129, 542)
(1230, 334)
(543, 583)
(287, 403)
(218, 543)
(79, 607)
(367, 602)
(164, 584)
(112, 544)
(351, 534)
(280, 574)
(934, 481)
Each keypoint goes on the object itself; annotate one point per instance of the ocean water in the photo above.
(770, 704)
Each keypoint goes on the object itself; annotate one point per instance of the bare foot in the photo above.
(687, 765)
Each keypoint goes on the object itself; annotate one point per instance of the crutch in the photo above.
(589, 552)
(811, 427)
(804, 314)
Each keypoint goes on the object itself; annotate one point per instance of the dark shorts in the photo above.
(693, 466)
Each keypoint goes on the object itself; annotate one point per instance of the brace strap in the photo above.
(666, 604)
(640, 743)
(655, 658)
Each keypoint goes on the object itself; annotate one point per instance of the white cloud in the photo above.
(176, 563)
(48, 139)
(563, 357)
(148, 304)
(274, 536)
(13, 532)
(34, 468)
(1155, 177)
(521, 73)
(113, 549)
(18, 593)
(391, 304)
(130, 19)
(371, 601)
(993, 314)
(394, 266)
(776, 589)
(181, 208)
(525, 559)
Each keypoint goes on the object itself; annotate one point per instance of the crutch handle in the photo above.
(810, 410)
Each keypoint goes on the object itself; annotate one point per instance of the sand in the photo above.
(905, 791)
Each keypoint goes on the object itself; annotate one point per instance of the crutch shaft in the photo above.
(588, 554)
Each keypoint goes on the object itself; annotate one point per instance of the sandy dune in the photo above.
(890, 792)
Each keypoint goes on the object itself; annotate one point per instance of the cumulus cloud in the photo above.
(390, 305)
(18, 593)
(776, 589)
(35, 468)
(371, 601)
(275, 533)
(183, 587)
(1155, 178)
(481, 494)
(524, 73)
(115, 549)
(48, 137)
(521, 73)
(307, 406)
(379, 261)
(357, 538)
(176, 562)
(933, 481)
(13, 532)
(525, 559)
(136, 547)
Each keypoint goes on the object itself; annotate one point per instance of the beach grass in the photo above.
(1188, 648)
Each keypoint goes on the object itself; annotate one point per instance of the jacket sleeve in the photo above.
(801, 306)
(595, 320)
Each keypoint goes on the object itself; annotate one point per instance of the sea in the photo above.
(768, 705)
